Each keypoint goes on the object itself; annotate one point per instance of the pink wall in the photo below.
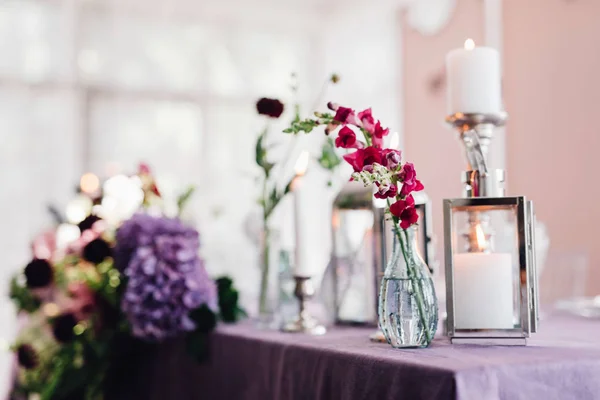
(552, 92)
(428, 142)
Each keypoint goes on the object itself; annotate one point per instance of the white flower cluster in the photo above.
(378, 173)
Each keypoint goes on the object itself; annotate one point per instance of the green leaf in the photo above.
(22, 297)
(261, 154)
(184, 198)
(229, 308)
(205, 319)
(329, 158)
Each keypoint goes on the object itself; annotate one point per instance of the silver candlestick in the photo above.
(476, 133)
(304, 322)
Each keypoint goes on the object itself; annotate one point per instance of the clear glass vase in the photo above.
(408, 307)
(268, 295)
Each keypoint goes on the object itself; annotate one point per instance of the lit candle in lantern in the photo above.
(302, 266)
(483, 288)
(474, 80)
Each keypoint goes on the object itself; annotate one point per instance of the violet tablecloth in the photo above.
(562, 362)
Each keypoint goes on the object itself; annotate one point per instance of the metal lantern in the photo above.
(362, 244)
(491, 280)
(489, 247)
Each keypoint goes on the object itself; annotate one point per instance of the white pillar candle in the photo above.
(474, 80)
(483, 291)
(302, 266)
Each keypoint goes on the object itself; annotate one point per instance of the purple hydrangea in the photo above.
(166, 277)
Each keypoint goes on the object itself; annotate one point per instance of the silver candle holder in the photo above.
(304, 322)
(472, 225)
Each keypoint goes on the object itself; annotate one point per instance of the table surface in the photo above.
(562, 361)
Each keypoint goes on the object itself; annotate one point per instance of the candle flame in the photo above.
(302, 163)
(394, 140)
(480, 237)
(469, 44)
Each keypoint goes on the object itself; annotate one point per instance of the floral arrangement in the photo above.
(373, 164)
(272, 193)
(98, 294)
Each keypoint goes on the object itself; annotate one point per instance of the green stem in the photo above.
(264, 278)
(417, 283)
(413, 277)
(264, 257)
(368, 140)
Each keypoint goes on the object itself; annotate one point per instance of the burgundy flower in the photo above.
(345, 115)
(347, 139)
(355, 159)
(88, 222)
(62, 327)
(270, 107)
(38, 273)
(378, 134)
(385, 191)
(391, 158)
(96, 251)
(367, 120)
(405, 211)
(408, 217)
(409, 188)
(362, 158)
(408, 173)
(408, 176)
(372, 155)
(27, 356)
(400, 205)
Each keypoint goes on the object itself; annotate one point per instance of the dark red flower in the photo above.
(401, 205)
(378, 134)
(405, 211)
(409, 217)
(38, 273)
(62, 327)
(345, 115)
(372, 155)
(347, 139)
(408, 176)
(88, 222)
(408, 188)
(269, 107)
(383, 192)
(27, 356)
(96, 251)
(355, 159)
(391, 158)
(408, 173)
(367, 120)
(362, 158)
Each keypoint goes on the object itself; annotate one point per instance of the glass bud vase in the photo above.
(268, 295)
(408, 307)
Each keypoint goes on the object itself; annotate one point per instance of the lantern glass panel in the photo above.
(486, 267)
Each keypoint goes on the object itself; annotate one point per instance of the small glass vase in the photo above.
(408, 307)
(268, 296)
